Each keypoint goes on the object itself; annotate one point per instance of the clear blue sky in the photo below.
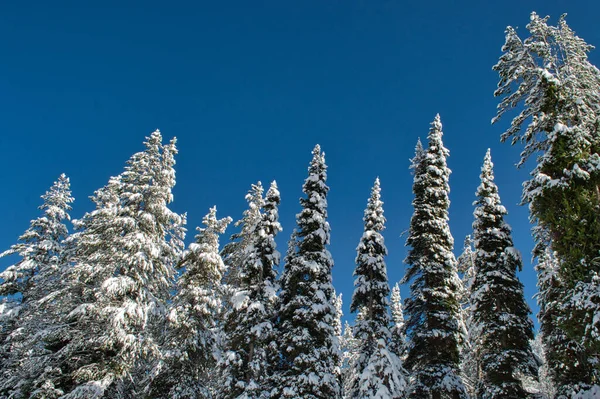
(249, 88)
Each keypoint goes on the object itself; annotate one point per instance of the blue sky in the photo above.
(249, 88)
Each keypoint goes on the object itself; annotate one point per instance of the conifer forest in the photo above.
(122, 302)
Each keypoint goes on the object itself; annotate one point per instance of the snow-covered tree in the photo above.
(42, 248)
(306, 332)
(377, 371)
(36, 279)
(466, 266)
(9, 311)
(500, 314)
(338, 303)
(190, 351)
(398, 344)
(543, 386)
(469, 365)
(433, 310)
(549, 75)
(249, 324)
(348, 355)
(123, 274)
(559, 349)
(234, 252)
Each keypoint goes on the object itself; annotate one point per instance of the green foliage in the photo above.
(549, 74)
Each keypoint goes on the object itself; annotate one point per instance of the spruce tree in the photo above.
(338, 303)
(306, 334)
(398, 344)
(432, 311)
(377, 371)
(249, 326)
(123, 274)
(499, 311)
(235, 252)
(189, 354)
(566, 360)
(466, 266)
(42, 248)
(9, 311)
(549, 74)
(469, 365)
(36, 279)
(348, 355)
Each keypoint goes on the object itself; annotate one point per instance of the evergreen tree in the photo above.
(235, 255)
(377, 371)
(550, 75)
(249, 325)
(36, 279)
(469, 365)
(398, 328)
(337, 327)
(191, 346)
(9, 311)
(306, 335)
(348, 355)
(541, 387)
(500, 313)
(235, 252)
(466, 266)
(42, 248)
(337, 304)
(559, 349)
(123, 274)
(433, 310)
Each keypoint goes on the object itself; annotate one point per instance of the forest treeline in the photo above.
(117, 306)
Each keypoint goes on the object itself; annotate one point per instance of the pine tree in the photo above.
(550, 75)
(191, 347)
(37, 279)
(249, 323)
(500, 313)
(123, 274)
(377, 371)
(432, 311)
(306, 332)
(398, 325)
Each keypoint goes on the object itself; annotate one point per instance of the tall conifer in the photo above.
(249, 329)
(377, 371)
(549, 78)
(398, 344)
(469, 364)
(190, 350)
(500, 313)
(125, 260)
(37, 280)
(309, 353)
(433, 310)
